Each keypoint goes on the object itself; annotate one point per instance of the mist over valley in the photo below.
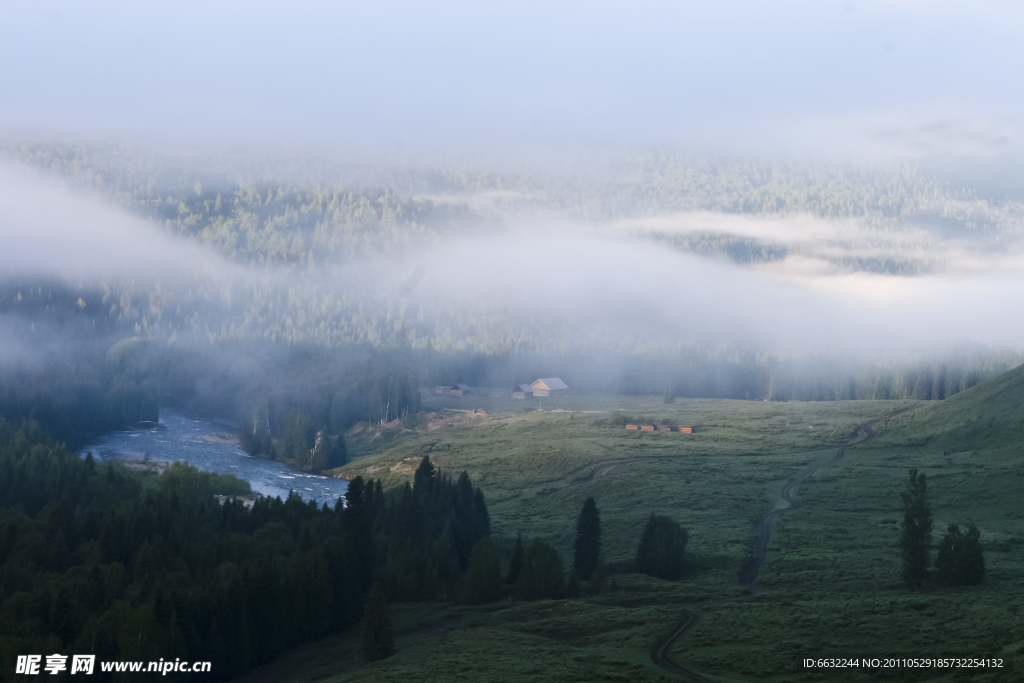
(548, 342)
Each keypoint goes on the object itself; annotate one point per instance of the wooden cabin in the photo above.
(550, 386)
(522, 391)
(686, 430)
(647, 428)
(441, 390)
(664, 428)
(460, 390)
(632, 427)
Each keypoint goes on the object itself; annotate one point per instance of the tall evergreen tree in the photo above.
(423, 479)
(961, 560)
(587, 547)
(378, 635)
(515, 565)
(360, 535)
(916, 530)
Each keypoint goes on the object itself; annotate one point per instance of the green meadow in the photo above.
(830, 587)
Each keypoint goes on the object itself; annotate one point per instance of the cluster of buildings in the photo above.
(679, 429)
(549, 386)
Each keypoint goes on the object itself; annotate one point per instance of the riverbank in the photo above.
(209, 446)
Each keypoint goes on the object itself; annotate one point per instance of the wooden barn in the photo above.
(441, 390)
(550, 386)
(522, 391)
(460, 390)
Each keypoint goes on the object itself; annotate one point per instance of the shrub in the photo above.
(662, 548)
(961, 560)
(483, 574)
(515, 565)
(542, 576)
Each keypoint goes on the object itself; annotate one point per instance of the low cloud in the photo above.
(52, 231)
(544, 281)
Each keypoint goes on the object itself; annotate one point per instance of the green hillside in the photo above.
(830, 586)
(989, 415)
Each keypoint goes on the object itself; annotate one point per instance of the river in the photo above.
(181, 439)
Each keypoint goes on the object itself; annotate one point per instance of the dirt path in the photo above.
(660, 653)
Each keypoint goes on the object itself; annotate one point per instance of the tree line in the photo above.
(95, 558)
(536, 571)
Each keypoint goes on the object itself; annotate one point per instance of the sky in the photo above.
(915, 79)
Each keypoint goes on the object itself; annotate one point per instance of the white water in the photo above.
(181, 441)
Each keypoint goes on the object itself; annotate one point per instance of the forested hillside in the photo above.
(134, 566)
(319, 290)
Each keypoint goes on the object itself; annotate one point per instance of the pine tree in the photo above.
(587, 547)
(515, 565)
(917, 528)
(662, 547)
(360, 531)
(378, 635)
(961, 560)
(423, 479)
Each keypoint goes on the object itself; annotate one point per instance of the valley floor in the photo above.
(829, 588)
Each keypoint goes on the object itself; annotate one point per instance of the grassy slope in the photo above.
(830, 586)
(831, 583)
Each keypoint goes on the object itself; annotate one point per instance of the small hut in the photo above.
(522, 391)
(441, 390)
(550, 386)
(459, 390)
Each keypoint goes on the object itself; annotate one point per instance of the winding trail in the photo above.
(660, 653)
(764, 530)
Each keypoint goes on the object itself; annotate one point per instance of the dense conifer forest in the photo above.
(138, 566)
